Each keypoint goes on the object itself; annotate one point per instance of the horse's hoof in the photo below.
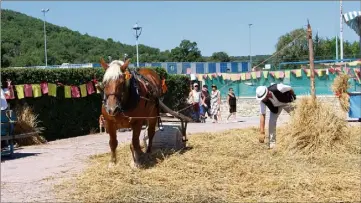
(134, 165)
(111, 164)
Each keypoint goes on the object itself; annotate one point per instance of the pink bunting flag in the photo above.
(28, 90)
(11, 94)
(90, 87)
(214, 75)
(75, 93)
(205, 76)
(294, 71)
(331, 70)
(189, 70)
(44, 87)
(338, 69)
(272, 73)
(219, 74)
(258, 73)
(248, 76)
(282, 74)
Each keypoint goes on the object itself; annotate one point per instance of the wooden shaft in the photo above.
(311, 57)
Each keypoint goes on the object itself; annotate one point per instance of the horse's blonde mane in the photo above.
(113, 72)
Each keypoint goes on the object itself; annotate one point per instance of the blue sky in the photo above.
(215, 26)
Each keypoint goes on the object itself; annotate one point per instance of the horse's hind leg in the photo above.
(151, 131)
(135, 145)
(113, 144)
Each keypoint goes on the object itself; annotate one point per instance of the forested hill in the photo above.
(23, 44)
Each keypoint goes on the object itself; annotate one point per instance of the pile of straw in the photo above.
(339, 87)
(27, 123)
(315, 127)
(231, 166)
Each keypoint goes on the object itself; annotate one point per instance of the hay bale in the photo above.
(339, 87)
(27, 123)
(314, 127)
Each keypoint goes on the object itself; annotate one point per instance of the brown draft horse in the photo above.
(129, 99)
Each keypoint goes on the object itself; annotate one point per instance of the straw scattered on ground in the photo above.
(27, 123)
(222, 167)
(339, 87)
(315, 127)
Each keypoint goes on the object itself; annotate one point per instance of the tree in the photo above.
(220, 57)
(292, 46)
(187, 51)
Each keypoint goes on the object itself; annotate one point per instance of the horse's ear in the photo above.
(125, 65)
(104, 65)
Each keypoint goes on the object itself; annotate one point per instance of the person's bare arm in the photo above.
(262, 123)
(219, 98)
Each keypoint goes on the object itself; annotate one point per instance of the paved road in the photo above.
(29, 177)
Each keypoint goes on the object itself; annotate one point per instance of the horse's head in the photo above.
(115, 79)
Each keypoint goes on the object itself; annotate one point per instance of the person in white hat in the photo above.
(195, 99)
(276, 97)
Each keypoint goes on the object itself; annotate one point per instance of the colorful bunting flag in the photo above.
(200, 77)
(298, 73)
(205, 76)
(258, 74)
(248, 76)
(28, 90)
(52, 89)
(83, 90)
(243, 76)
(254, 75)
(36, 90)
(20, 91)
(189, 71)
(44, 87)
(11, 94)
(265, 74)
(75, 93)
(281, 74)
(287, 74)
(67, 91)
(90, 87)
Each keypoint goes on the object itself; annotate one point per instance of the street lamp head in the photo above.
(136, 27)
(250, 24)
(45, 10)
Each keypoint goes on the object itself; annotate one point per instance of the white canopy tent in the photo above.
(353, 20)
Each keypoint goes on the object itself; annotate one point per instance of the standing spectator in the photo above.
(195, 98)
(205, 102)
(215, 103)
(232, 102)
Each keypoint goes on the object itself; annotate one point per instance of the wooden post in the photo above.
(312, 65)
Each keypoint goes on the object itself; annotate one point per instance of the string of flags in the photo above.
(50, 89)
(281, 74)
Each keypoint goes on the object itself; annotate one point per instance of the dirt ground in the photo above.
(31, 174)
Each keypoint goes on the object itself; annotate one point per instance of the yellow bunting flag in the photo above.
(200, 77)
(67, 91)
(288, 74)
(243, 76)
(52, 89)
(36, 90)
(265, 74)
(83, 90)
(308, 72)
(320, 73)
(277, 74)
(20, 91)
(298, 73)
(254, 75)
(234, 77)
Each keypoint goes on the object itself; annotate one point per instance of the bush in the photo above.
(63, 118)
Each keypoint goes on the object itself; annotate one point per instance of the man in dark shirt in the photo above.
(276, 97)
(205, 101)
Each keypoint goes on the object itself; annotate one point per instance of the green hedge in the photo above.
(63, 118)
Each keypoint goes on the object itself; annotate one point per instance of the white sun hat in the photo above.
(261, 92)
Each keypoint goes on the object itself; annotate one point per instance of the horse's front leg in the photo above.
(113, 144)
(151, 131)
(135, 145)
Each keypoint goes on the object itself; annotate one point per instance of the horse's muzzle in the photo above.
(112, 111)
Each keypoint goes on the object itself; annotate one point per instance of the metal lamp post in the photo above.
(250, 46)
(138, 31)
(46, 54)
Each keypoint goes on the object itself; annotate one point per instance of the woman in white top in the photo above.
(195, 99)
(4, 103)
(215, 103)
